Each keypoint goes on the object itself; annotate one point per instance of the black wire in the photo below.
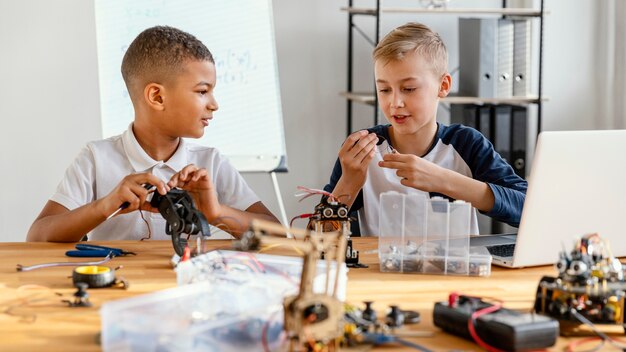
(147, 224)
(602, 335)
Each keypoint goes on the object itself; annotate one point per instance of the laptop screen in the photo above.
(577, 186)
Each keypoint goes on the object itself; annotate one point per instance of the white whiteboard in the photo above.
(248, 126)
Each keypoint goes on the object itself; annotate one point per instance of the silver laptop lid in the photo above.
(577, 185)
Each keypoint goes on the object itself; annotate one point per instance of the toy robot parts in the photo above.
(590, 283)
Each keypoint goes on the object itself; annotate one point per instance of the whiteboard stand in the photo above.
(279, 197)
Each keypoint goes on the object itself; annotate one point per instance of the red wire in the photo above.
(573, 344)
(472, 328)
(266, 347)
(258, 267)
(301, 216)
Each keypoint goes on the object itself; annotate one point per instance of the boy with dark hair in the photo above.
(414, 153)
(170, 76)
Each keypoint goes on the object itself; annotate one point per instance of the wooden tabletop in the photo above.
(34, 318)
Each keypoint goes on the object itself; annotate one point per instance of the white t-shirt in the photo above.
(456, 147)
(380, 180)
(101, 165)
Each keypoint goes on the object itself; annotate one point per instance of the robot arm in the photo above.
(307, 314)
(181, 216)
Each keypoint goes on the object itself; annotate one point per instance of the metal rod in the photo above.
(20, 267)
(540, 103)
(377, 36)
(349, 84)
(279, 197)
(364, 35)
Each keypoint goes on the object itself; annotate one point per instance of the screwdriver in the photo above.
(125, 205)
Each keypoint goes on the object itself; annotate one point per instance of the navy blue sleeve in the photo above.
(334, 178)
(487, 165)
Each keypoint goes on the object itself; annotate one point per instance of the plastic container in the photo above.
(226, 301)
(282, 273)
(428, 236)
(197, 317)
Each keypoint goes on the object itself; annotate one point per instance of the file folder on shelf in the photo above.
(505, 59)
(506, 126)
(521, 57)
(484, 121)
(502, 128)
(475, 116)
(486, 57)
(519, 134)
(464, 114)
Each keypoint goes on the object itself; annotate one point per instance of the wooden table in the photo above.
(58, 327)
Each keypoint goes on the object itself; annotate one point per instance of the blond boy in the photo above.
(415, 153)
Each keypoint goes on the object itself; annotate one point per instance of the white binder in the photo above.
(486, 57)
(521, 57)
(504, 59)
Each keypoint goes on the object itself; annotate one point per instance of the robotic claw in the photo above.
(181, 216)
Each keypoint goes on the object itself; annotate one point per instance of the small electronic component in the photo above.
(81, 297)
(492, 326)
(332, 215)
(96, 277)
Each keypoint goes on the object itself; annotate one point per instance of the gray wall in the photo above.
(49, 92)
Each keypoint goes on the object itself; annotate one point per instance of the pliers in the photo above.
(92, 250)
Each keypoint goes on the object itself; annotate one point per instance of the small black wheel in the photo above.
(539, 295)
(94, 276)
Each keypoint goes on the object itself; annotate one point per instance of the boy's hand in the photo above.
(131, 190)
(197, 182)
(355, 155)
(414, 171)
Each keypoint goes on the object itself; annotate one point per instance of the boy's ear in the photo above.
(154, 96)
(445, 86)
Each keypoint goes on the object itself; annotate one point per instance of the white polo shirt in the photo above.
(101, 165)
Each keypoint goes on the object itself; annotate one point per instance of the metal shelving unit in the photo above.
(369, 98)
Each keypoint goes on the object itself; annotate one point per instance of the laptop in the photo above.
(577, 185)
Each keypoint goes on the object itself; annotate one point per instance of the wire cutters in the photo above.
(92, 250)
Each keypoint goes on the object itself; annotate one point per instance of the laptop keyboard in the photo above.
(504, 250)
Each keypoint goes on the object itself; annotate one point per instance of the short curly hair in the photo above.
(413, 37)
(158, 53)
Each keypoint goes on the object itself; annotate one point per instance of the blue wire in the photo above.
(379, 339)
(411, 344)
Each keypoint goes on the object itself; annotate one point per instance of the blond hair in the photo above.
(413, 37)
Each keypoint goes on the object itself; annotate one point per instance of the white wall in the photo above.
(49, 106)
(49, 93)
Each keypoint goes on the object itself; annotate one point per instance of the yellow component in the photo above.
(92, 270)
(349, 329)
(349, 308)
(597, 273)
(613, 302)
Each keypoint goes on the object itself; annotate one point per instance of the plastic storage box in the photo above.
(429, 236)
(227, 301)
(282, 273)
(197, 317)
